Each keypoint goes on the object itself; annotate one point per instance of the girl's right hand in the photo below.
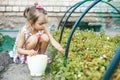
(62, 50)
(32, 52)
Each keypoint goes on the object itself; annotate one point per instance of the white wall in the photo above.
(55, 8)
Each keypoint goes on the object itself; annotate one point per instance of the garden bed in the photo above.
(88, 58)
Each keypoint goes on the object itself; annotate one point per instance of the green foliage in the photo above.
(109, 0)
(6, 43)
(89, 56)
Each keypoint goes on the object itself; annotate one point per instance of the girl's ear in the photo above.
(30, 22)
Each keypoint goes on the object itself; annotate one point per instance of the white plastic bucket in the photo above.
(37, 64)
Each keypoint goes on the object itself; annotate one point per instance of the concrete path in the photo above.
(18, 72)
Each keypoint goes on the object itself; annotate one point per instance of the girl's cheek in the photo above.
(40, 27)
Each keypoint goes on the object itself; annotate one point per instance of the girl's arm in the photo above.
(20, 44)
(54, 42)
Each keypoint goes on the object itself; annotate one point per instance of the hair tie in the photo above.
(39, 6)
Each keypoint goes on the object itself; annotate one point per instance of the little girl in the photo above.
(34, 37)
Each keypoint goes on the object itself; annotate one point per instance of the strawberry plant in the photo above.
(88, 58)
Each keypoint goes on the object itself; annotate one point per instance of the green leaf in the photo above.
(63, 78)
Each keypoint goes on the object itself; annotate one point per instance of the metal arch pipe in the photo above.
(65, 14)
(113, 65)
(74, 27)
(115, 60)
(111, 6)
(79, 4)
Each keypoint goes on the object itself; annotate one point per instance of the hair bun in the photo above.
(35, 3)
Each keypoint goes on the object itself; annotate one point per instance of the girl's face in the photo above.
(40, 23)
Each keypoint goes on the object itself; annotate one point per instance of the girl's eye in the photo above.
(40, 23)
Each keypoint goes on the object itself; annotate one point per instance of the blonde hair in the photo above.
(33, 13)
